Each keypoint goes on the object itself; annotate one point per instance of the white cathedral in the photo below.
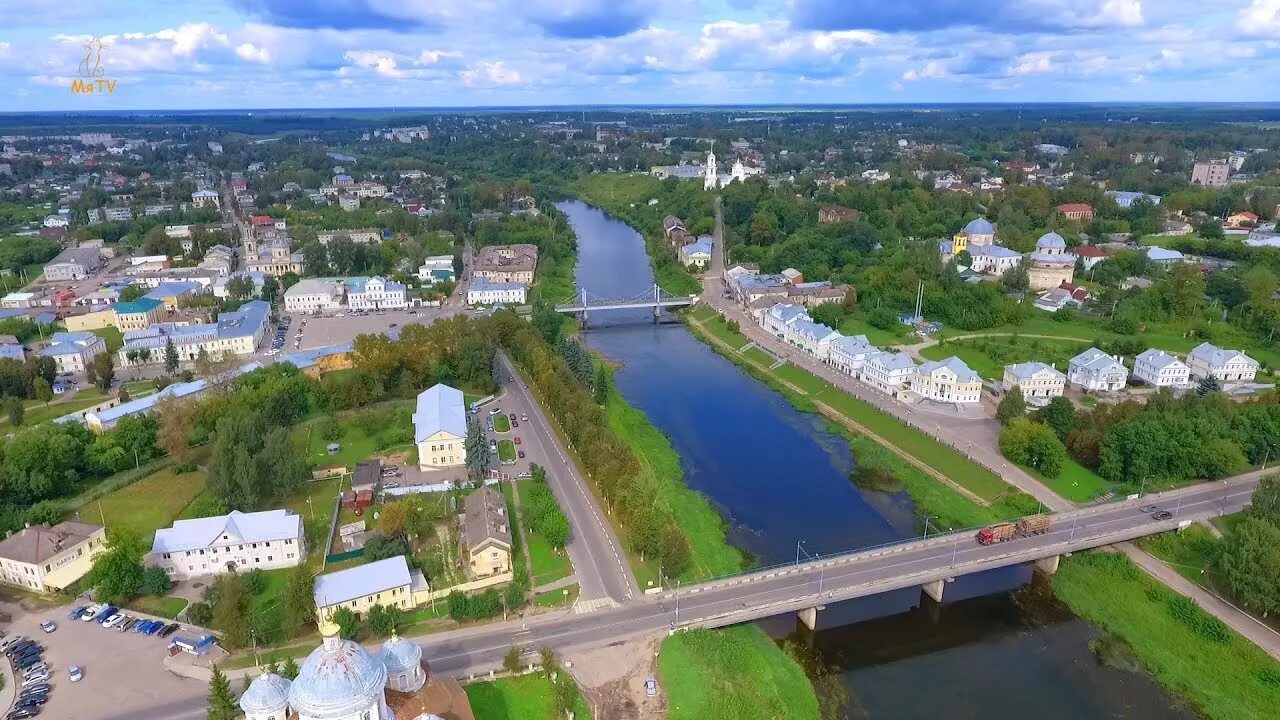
(712, 179)
(340, 680)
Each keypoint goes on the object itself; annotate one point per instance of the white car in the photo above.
(37, 669)
(36, 679)
(48, 626)
(75, 672)
(495, 411)
(91, 613)
(115, 620)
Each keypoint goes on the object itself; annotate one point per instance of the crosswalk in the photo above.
(583, 607)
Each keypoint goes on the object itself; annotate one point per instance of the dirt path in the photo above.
(853, 425)
(612, 680)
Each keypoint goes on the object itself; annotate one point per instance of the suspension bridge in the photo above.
(650, 298)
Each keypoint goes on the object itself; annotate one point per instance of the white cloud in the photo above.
(252, 53)
(494, 73)
(379, 61)
(1031, 63)
(435, 57)
(932, 70)
(1261, 18)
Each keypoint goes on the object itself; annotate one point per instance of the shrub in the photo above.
(330, 429)
(1186, 611)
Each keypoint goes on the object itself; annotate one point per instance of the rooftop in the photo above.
(954, 364)
(1217, 357)
(1026, 370)
(486, 519)
(440, 408)
(200, 533)
(344, 585)
(39, 543)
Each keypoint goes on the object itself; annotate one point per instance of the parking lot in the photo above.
(123, 672)
(321, 331)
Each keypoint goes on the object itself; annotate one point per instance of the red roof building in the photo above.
(1078, 293)
(260, 220)
(1244, 219)
(1076, 211)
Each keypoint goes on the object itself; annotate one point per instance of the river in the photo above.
(1001, 646)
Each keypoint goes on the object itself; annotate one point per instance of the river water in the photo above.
(1000, 646)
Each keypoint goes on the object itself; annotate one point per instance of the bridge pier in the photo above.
(934, 589)
(657, 314)
(809, 616)
(1048, 565)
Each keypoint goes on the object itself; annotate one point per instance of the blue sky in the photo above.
(359, 53)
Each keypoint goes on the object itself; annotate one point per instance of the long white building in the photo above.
(483, 292)
(234, 542)
(949, 381)
(1229, 366)
(1096, 371)
(376, 293)
(313, 295)
(1161, 369)
(1036, 380)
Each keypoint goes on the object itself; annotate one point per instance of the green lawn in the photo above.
(36, 412)
(1187, 551)
(527, 697)
(113, 336)
(712, 555)
(1194, 655)
(501, 423)
(166, 607)
(316, 513)
(1076, 482)
(557, 598)
(506, 451)
(856, 324)
(988, 356)
(548, 565)
(737, 672)
(149, 504)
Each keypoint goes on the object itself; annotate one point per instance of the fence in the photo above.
(339, 557)
(424, 597)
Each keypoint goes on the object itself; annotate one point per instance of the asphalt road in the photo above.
(778, 590)
(594, 549)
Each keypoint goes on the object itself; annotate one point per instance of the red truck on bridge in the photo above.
(1000, 532)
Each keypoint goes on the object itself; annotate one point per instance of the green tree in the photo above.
(155, 580)
(43, 389)
(222, 704)
(170, 356)
(298, 600)
(270, 289)
(1249, 563)
(280, 468)
(384, 619)
(240, 287)
(393, 518)
(232, 611)
(345, 619)
(1059, 414)
(103, 370)
(477, 445)
(603, 384)
(14, 408)
(511, 661)
(1018, 277)
(1033, 445)
(1265, 503)
(1011, 406)
(131, 292)
(117, 572)
(830, 314)
(290, 670)
(1207, 385)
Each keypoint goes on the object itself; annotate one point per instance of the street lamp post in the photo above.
(821, 572)
(799, 543)
(926, 525)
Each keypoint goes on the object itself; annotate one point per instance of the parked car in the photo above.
(37, 689)
(117, 621)
(651, 687)
(35, 679)
(520, 454)
(1162, 515)
(75, 614)
(34, 699)
(525, 474)
(1147, 509)
(524, 417)
(75, 673)
(515, 424)
(11, 641)
(124, 626)
(152, 627)
(495, 411)
(48, 626)
(91, 612)
(168, 630)
(22, 712)
(517, 439)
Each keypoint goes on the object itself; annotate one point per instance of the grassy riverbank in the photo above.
(712, 555)
(733, 673)
(964, 496)
(1190, 652)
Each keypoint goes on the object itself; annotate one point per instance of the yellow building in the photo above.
(138, 314)
(90, 321)
(389, 583)
(46, 559)
(486, 535)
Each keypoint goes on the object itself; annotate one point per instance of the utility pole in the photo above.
(798, 544)
(821, 571)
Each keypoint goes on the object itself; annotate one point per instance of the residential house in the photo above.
(1038, 381)
(481, 291)
(1125, 199)
(43, 558)
(359, 236)
(137, 314)
(1161, 369)
(72, 351)
(349, 202)
(828, 214)
(697, 253)
(486, 534)
(813, 294)
(1241, 220)
(1228, 366)
(1066, 295)
(389, 583)
(174, 292)
(206, 198)
(888, 371)
(236, 542)
(1096, 371)
(506, 263)
(314, 295)
(240, 332)
(437, 268)
(993, 260)
(848, 354)
(1164, 256)
(1090, 255)
(11, 348)
(1214, 173)
(73, 264)
(1080, 212)
(376, 293)
(948, 380)
(440, 428)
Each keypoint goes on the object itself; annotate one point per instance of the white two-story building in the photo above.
(1096, 371)
(888, 371)
(947, 380)
(848, 354)
(313, 295)
(1161, 369)
(1037, 381)
(376, 293)
(234, 542)
(1228, 366)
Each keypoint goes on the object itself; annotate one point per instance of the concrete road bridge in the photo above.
(805, 587)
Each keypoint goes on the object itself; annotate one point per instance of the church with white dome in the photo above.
(340, 680)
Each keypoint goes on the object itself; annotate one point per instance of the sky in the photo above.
(456, 53)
